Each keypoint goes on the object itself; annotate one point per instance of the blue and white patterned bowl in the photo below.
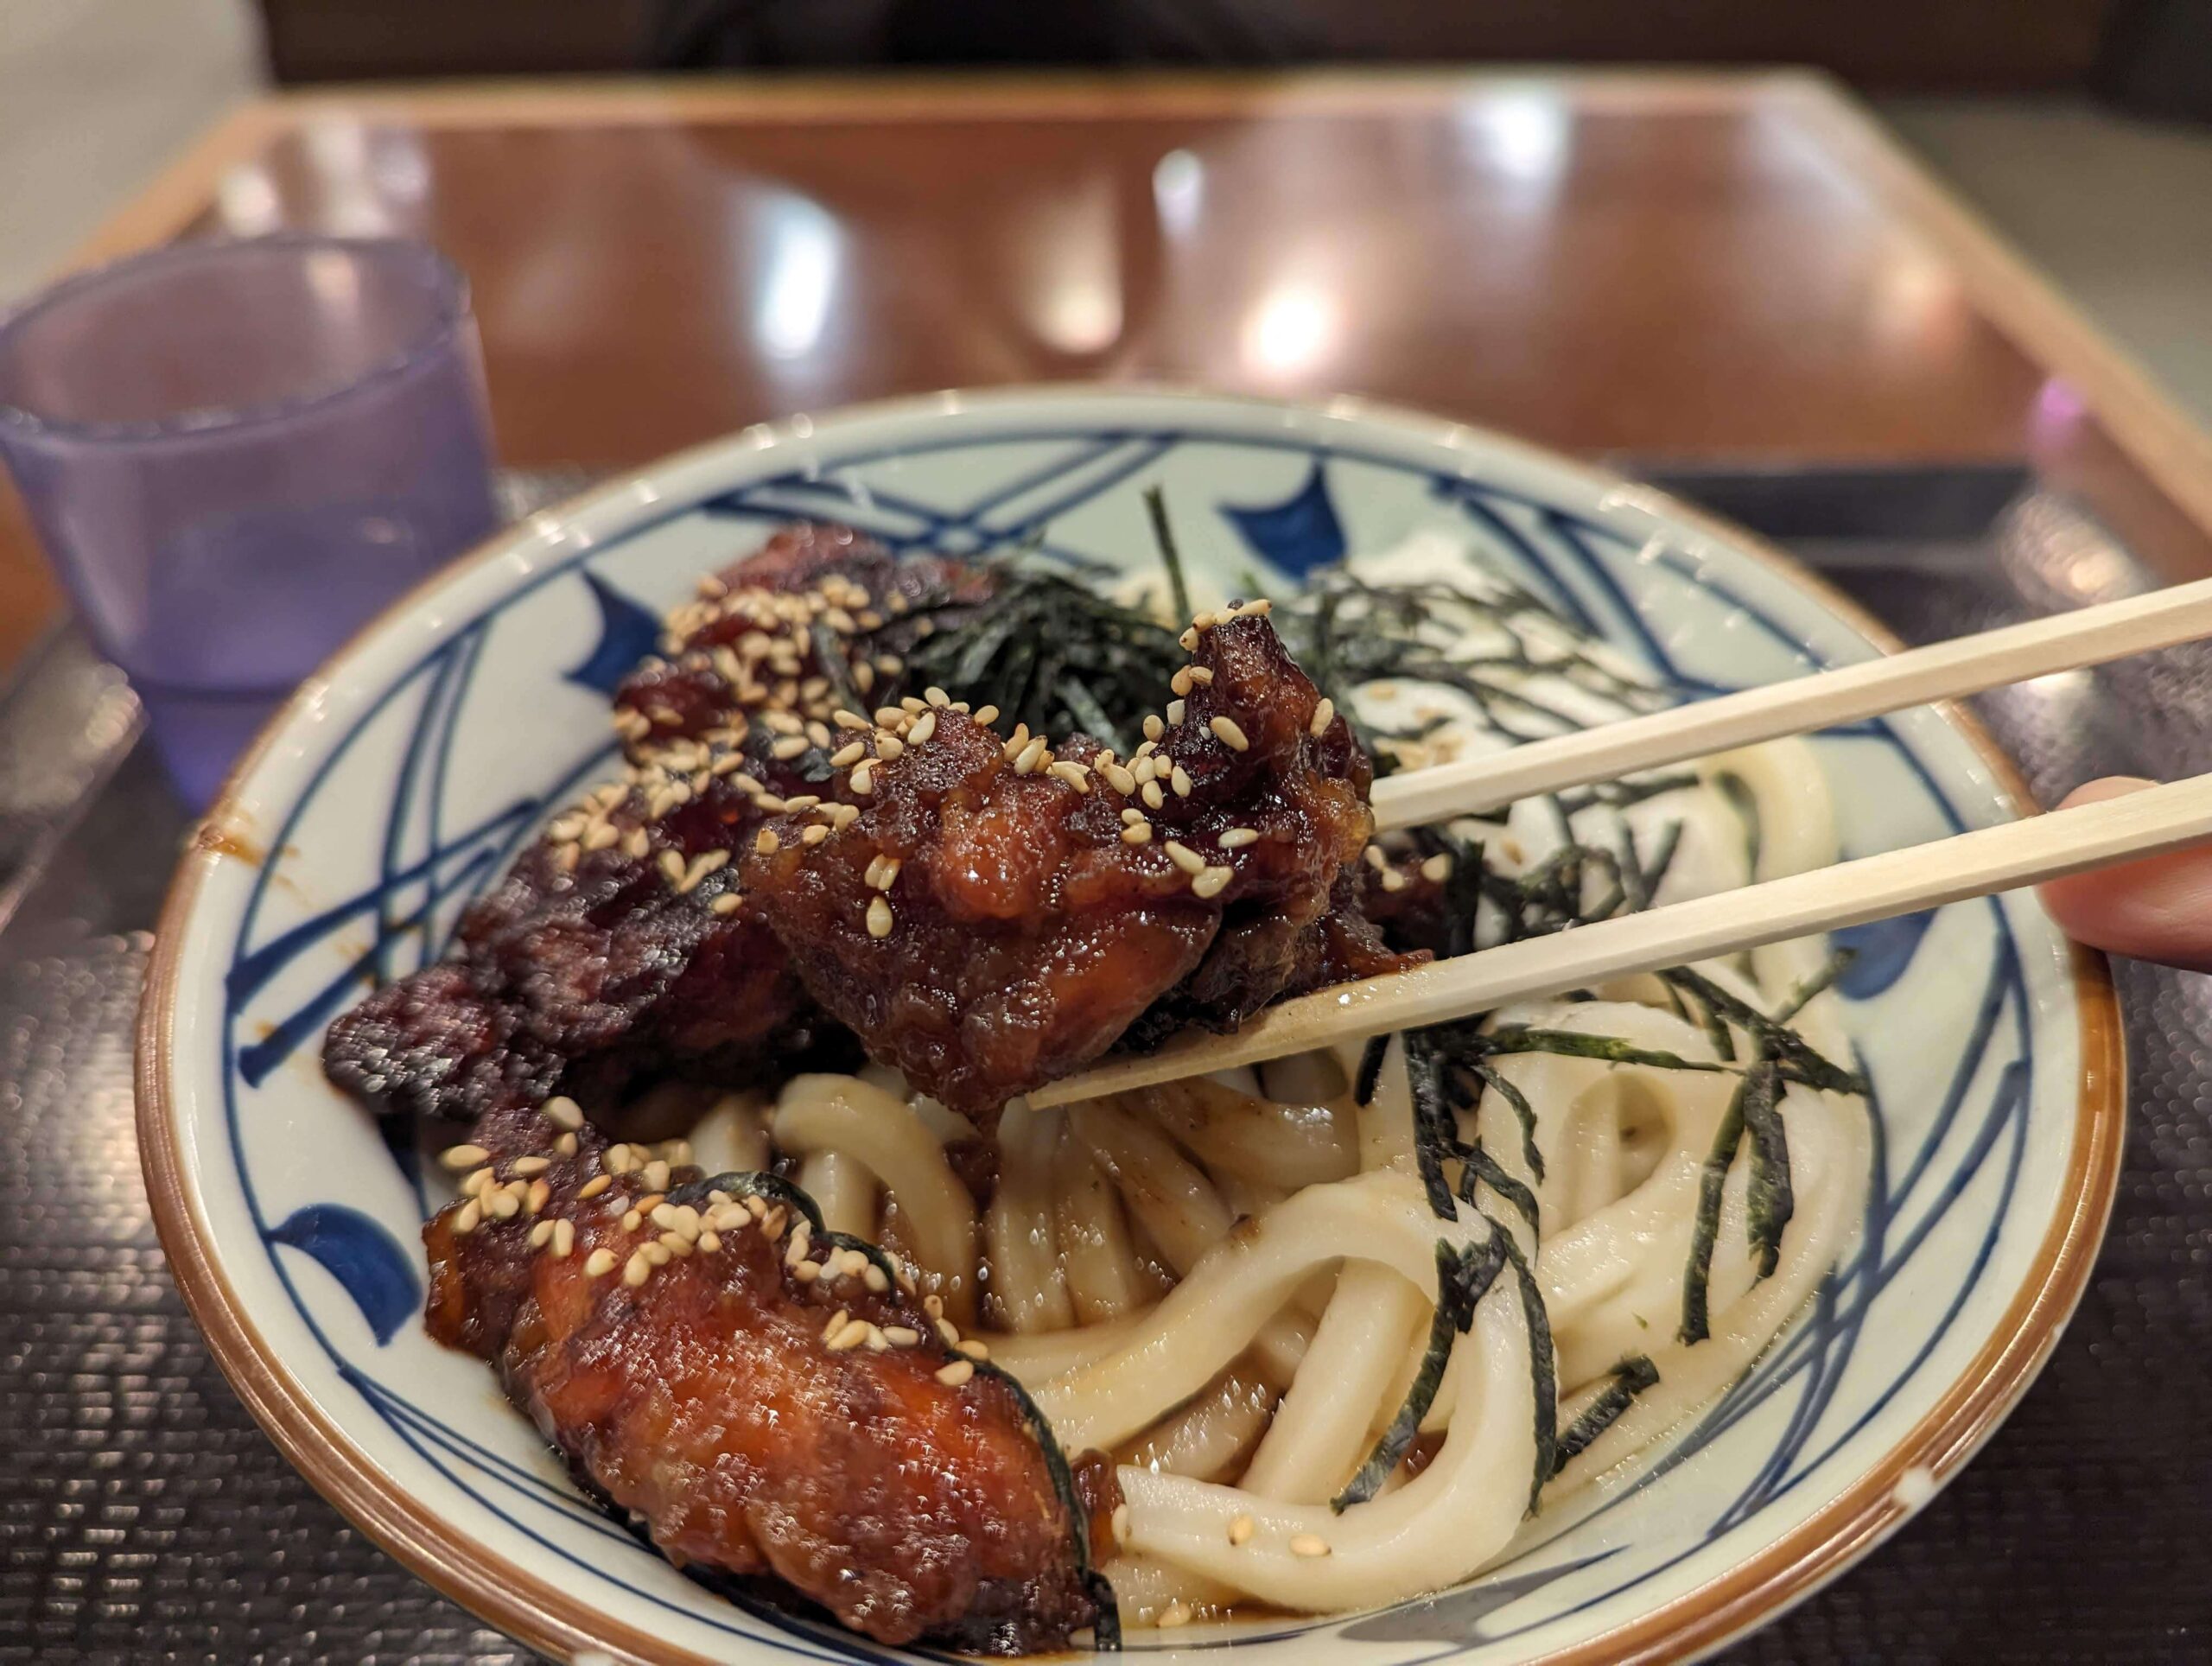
(403, 779)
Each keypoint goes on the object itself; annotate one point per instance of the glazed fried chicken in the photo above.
(762, 1397)
(1001, 913)
(612, 952)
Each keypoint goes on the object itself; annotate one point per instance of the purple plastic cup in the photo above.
(235, 453)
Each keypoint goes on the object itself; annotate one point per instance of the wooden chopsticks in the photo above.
(1872, 887)
(1973, 864)
(1943, 670)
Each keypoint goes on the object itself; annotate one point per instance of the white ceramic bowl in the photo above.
(402, 779)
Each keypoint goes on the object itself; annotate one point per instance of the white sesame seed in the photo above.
(1074, 775)
(665, 1216)
(925, 730)
(1184, 857)
(565, 1239)
(1376, 859)
(956, 1374)
(878, 917)
(540, 1194)
(844, 719)
(1189, 638)
(637, 1269)
(600, 1262)
(1131, 815)
(1241, 1529)
(475, 1181)
(935, 696)
(1137, 833)
(854, 1332)
(812, 835)
(887, 716)
(1308, 1545)
(901, 1336)
(1147, 768)
(1176, 1613)
(710, 1241)
(863, 781)
(655, 1175)
(503, 1205)
(987, 715)
(1181, 681)
(790, 746)
(541, 1235)
(1121, 1522)
(886, 873)
(766, 843)
(945, 1327)
(1175, 710)
(844, 816)
(1228, 735)
(458, 1157)
(1237, 838)
(873, 1277)
(675, 1243)
(1201, 676)
(846, 757)
(1180, 779)
(975, 1348)
(1324, 715)
(726, 904)
(1437, 868)
(465, 1219)
(594, 1186)
(1122, 780)
(1152, 794)
(566, 1145)
(656, 1254)
(563, 1112)
(1153, 728)
(1032, 755)
(1393, 879)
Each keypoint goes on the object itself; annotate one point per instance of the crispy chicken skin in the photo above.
(1000, 914)
(720, 1399)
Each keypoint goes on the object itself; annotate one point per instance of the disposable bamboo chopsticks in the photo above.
(2088, 636)
(1873, 887)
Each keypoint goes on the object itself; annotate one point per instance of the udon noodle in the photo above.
(1234, 1284)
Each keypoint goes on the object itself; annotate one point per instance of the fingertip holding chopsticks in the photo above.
(1977, 863)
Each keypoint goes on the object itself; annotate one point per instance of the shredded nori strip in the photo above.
(1746, 803)
(739, 1183)
(1630, 1377)
(1463, 1278)
(1800, 1061)
(1498, 1084)
(1574, 1044)
(1371, 1070)
(1478, 1165)
(1770, 1200)
(1155, 504)
(1803, 994)
(1705, 1232)
(1546, 1371)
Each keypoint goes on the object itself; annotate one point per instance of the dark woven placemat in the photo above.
(143, 1516)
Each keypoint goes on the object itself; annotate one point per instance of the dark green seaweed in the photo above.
(1463, 1278)
(1705, 1231)
(1630, 1377)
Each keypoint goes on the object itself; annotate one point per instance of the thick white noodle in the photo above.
(846, 1119)
(1024, 1273)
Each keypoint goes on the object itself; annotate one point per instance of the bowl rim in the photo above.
(543, 1616)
